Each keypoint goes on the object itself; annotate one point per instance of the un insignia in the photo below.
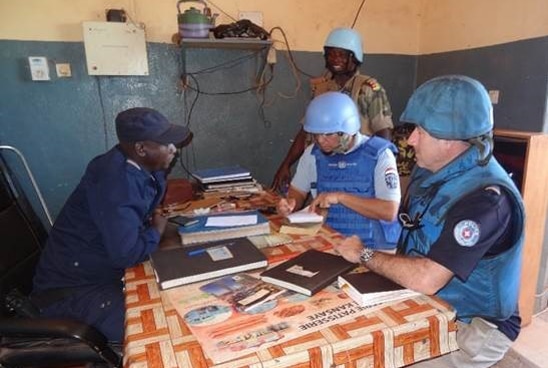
(391, 178)
(466, 233)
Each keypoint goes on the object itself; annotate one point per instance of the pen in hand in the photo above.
(199, 251)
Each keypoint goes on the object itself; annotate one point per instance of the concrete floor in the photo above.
(530, 350)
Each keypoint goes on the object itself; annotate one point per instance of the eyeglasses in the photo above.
(317, 136)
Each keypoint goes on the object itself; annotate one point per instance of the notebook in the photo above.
(370, 288)
(200, 232)
(309, 272)
(180, 266)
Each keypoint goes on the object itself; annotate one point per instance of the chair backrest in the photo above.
(22, 236)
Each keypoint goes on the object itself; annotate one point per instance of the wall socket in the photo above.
(271, 56)
(63, 70)
(494, 95)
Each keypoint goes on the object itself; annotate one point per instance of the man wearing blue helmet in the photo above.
(462, 222)
(352, 175)
(343, 55)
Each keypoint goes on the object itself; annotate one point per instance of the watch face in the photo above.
(366, 255)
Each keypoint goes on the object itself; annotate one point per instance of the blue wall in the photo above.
(60, 125)
(518, 69)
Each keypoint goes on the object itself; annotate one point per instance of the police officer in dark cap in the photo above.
(109, 223)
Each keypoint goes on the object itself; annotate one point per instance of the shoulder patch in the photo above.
(391, 178)
(466, 233)
(372, 82)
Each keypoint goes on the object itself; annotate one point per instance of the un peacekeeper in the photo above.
(463, 222)
(343, 56)
(108, 224)
(352, 175)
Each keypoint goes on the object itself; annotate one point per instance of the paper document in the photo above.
(229, 221)
(304, 216)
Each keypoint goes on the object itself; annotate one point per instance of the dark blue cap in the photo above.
(145, 124)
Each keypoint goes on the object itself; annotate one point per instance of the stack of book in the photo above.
(226, 180)
(370, 288)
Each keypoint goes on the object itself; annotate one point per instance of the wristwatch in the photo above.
(366, 255)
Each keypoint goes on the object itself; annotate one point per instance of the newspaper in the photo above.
(212, 310)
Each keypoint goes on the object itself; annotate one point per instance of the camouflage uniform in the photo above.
(369, 95)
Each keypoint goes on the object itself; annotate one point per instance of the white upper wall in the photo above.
(388, 26)
(448, 25)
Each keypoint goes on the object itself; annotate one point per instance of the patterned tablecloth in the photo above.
(394, 336)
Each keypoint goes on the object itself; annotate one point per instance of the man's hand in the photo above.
(281, 179)
(325, 200)
(350, 249)
(159, 222)
(285, 206)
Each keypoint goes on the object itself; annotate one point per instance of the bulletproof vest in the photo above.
(491, 290)
(354, 173)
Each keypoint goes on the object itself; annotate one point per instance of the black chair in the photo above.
(26, 339)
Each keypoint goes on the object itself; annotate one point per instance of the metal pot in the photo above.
(195, 23)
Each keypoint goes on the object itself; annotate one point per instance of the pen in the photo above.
(196, 252)
(199, 251)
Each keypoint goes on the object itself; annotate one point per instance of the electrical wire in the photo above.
(221, 10)
(291, 58)
(217, 68)
(357, 14)
(189, 115)
(227, 64)
(103, 112)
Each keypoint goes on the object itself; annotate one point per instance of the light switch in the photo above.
(39, 69)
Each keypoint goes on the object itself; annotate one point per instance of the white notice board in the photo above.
(114, 48)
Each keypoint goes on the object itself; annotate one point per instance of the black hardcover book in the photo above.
(175, 267)
(309, 272)
(370, 288)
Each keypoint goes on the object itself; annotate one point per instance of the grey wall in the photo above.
(60, 125)
(518, 69)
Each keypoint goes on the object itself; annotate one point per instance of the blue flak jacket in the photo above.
(104, 227)
(491, 290)
(354, 173)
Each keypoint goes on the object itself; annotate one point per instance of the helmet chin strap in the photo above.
(345, 141)
(484, 143)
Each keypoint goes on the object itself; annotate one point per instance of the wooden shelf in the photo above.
(529, 157)
(225, 43)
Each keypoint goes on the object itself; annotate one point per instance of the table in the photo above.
(396, 335)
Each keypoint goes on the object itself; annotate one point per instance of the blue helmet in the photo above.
(332, 112)
(451, 107)
(347, 39)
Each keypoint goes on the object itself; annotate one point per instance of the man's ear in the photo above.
(140, 149)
